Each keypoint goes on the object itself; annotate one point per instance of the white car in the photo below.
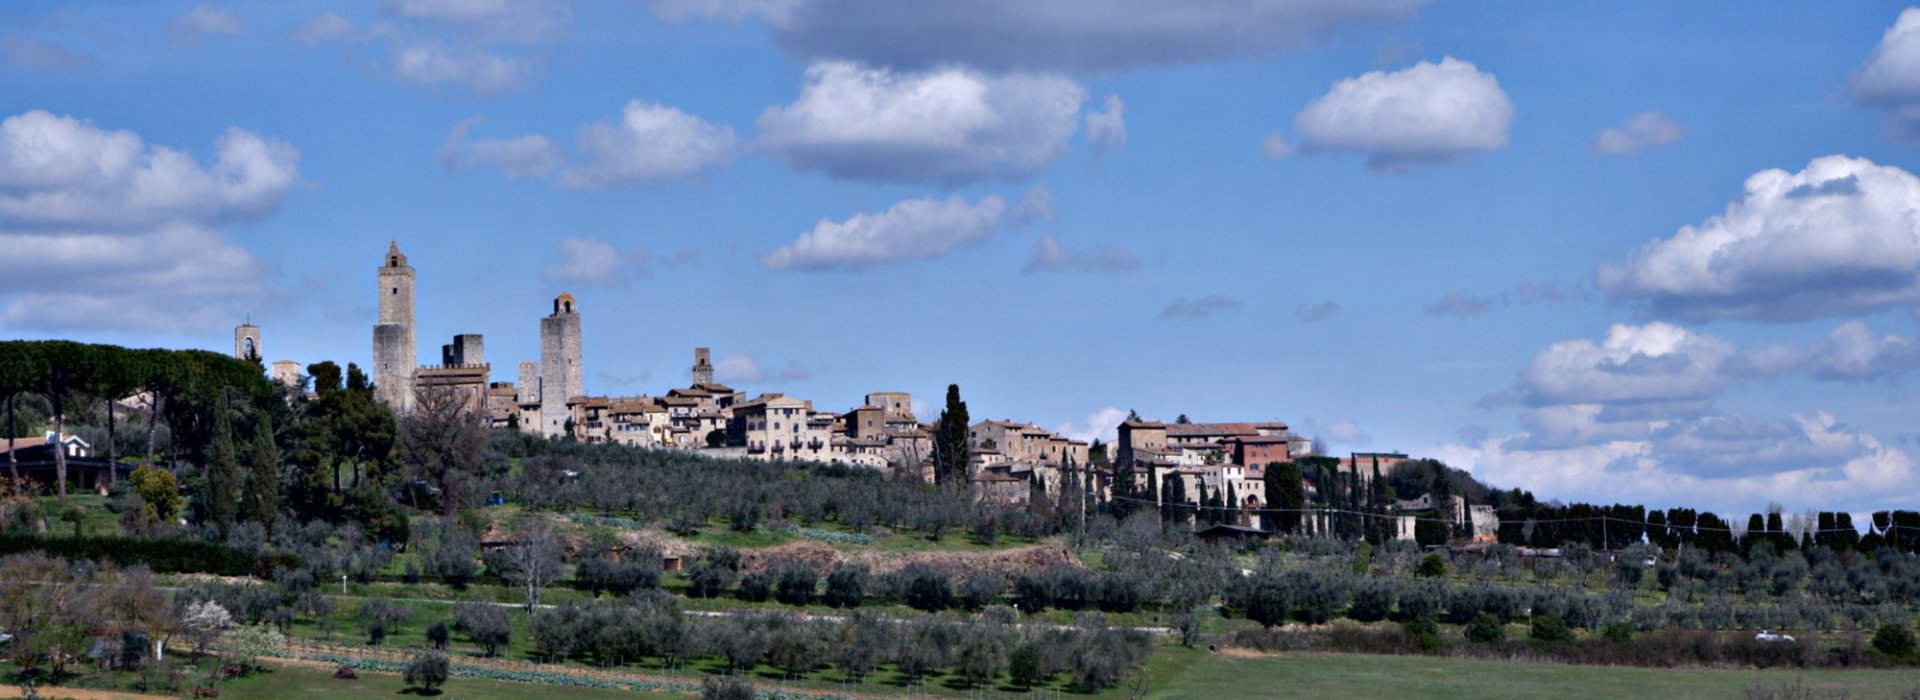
(1772, 637)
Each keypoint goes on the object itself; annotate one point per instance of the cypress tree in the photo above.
(1286, 495)
(951, 442)
(223, 472)
(263, 479)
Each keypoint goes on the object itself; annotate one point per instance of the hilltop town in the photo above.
(1009, 460)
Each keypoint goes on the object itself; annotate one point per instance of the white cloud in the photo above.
(1428, 114)
(591, 261)
(740, 368)
(1632, 419)
(1034, 207)
(1840, 236)
(1648, 365)
(203, 22)
(1100, 425)
(518, 157)
(431, 64)
(1890, 78)
(60, 172)
(914, 229)
(1642, 131)
(1202, 307)
(1049, 256)
(1011, 35)
(41, 54)
(650, 144)
(324, 28)
(1107, 129)
(523, 21)
(124, 235)
(949, 126)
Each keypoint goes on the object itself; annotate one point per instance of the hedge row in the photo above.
(167, 556)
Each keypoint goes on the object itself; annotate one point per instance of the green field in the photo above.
(1180, 673)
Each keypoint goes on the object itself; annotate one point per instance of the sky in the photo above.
(1658, 253)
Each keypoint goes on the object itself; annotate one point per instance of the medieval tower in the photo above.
(702, 366)
(393, 347)
(246, 342)
(560, 371)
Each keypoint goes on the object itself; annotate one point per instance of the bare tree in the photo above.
(444, 440)
(534, 559)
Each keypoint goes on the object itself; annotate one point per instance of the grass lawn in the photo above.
(299, 682)
(1181, 673)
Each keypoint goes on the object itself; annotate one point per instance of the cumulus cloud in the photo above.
(1100, 425)
(741, 368)
(1852, 352)
(1107, 129)
(650, 144)
(204, 22)
(1890, 78)
(949, 126)
(1840, 236)
(1049, 256)
(1428, 114)
(1642, 131)
(40, 54)
(1202, 307)
(125, 234)
(915, 229)
(1009, 35)
(1315, 313)
(60, 172)
(1631, 418)
(594, 262)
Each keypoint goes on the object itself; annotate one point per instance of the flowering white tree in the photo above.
(203, 623)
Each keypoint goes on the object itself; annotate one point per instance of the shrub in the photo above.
(1485, 628)
(1425, 634)
(1618, 632)
(1894, 640)
(1372, 600)
(928, 589)
(711, 573)
(794, 583)
(437, 635)
(1550, 629)
(428, 670)
(1433, 566)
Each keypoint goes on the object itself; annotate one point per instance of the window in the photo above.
(396, 290)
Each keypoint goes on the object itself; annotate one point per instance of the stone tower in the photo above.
(702, 366)
(246, 342)
(393, 346)
(560, 371)
(529, 389)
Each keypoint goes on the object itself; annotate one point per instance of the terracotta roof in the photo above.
(1221, 429)
(1143, 424)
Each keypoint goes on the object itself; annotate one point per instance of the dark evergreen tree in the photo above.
(1286, 495)
(223, 473)
(951, 442)
(262, 500)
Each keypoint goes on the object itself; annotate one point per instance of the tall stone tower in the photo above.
(246, 342)
(560, 371)
(393, 346)
(702, 366)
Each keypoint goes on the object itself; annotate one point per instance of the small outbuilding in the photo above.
(1231, 534)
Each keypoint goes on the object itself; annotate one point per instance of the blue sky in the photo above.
(1640, 252)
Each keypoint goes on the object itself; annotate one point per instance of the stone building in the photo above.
(560, 369)
(246, 342)
(702, 366)
(393, 344)
(463, 372)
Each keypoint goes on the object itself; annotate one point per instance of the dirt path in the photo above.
(82, 694)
